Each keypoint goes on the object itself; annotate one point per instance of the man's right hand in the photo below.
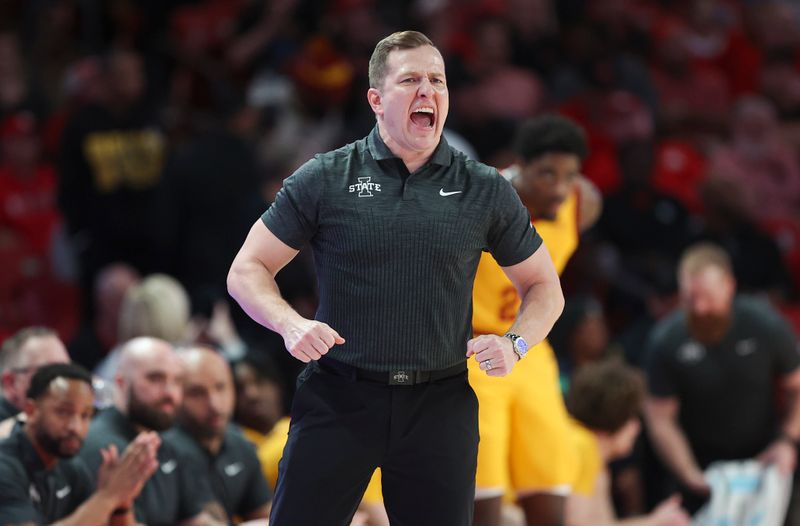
(696, 483)
(310, 340)
(122, 478)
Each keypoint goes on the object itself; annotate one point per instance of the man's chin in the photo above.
(68, 451)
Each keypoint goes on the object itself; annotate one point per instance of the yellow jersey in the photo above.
(495, 301)
(590, 462)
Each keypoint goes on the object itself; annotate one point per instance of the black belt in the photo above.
(392, 377)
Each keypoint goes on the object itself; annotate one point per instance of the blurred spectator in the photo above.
(776, 29)
(713, 369)
(212, 187)
(149, 382)
(40, 480)
(31, 291)
(111, 162)
(757, 158)
(28, 210)
(496, 93)
(757, 260)
(679, 171)
(643, 229)
(579, 337)
(82, 83)
(205, 435)
(716, 40)
(17, 92)
(97, 337)
(260, 410)
(692, 99)
(158, 307)
(20, 357)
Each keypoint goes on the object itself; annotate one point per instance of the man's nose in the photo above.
(425, 87)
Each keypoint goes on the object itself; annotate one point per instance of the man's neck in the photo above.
(212, 444)
(411, 158)
(47, 459)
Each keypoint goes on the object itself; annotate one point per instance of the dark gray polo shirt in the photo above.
(175, 491)
(726, 391)
(31, 493)
(234, 473)
(396, 253)
(7, 409)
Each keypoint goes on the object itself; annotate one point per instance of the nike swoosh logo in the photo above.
(445, 194)
(169, 466)
(233, 469)
(63, 492)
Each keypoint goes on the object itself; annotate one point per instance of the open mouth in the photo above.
(424, 118)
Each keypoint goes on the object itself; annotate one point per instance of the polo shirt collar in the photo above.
(181, 430)
(120, 423)
(27, 453)
(379, 151)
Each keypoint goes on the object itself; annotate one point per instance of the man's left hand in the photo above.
(782, 453)
(495, 354)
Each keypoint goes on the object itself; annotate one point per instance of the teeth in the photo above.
(424, 110)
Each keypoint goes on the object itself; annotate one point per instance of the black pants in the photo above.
(423, 437)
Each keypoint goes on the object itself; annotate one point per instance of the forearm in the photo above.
(541, 306)
(253, 286)
(674, 449)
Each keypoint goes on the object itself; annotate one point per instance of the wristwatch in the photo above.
(519, 344)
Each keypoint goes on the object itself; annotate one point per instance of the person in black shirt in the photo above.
(714, 368)
(21, 355)
(204, 434)
(41, 483)
(397, 222)
(149, 392)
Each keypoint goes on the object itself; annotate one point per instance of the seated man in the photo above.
(605, 400)
(149, 392)
(21, 354)
(205, 435)
(41, 483)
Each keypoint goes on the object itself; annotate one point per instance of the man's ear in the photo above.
(375, 101)
(29, 407)
(6, 379)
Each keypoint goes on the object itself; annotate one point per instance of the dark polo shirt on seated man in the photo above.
(7, 409)
(234, 472)
(32, 493)
(174, 493)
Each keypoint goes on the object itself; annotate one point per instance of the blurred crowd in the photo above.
(139, 140)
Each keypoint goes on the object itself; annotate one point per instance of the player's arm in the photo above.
(591, 203)
(598, 509)
(538, 285)
(251, 282)
(590, 510)
(661, 415)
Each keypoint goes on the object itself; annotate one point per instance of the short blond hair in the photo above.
(157, 307)
(703, 255)
(398, 40)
